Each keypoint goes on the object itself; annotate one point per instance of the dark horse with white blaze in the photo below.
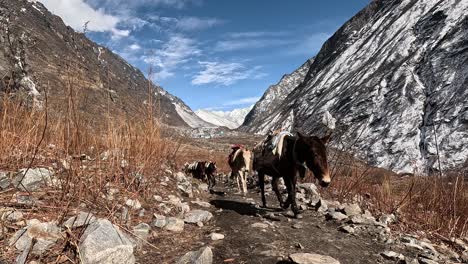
(295, 156)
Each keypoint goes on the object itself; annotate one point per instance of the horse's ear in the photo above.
(326, 138)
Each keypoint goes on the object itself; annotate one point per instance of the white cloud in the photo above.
(114, 4)
(256, 34)
(195, 23)
(176, 51)
(76, 13)
(224, 73)
(238, 44)
(243, 101)
(134, 47)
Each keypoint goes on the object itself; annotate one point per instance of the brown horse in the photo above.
(297, 154)
(240, 161)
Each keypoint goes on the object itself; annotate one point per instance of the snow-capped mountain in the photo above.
(230, 119)
(37, 50)
(395, 77)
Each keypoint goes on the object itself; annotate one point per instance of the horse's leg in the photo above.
(274, 185)
(261, 182)
(288, 187)
(238, 181)
(244, 181)
(293, 181)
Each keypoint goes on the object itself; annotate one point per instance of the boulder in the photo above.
(336, 216)
(347, 229)
(45, 234)
(309, 258)
(351, 209)
(180, 177)
(201, 256)
(102, 242)
(174, 224)
(196, 216)
(32, 179)
(82, 219)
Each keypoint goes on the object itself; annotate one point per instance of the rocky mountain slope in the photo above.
(230, 119)
(272, 99)
(38, 52)
(395, 78)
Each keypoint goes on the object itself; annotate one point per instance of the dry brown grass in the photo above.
(433, 204)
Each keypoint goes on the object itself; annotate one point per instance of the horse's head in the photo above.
(247, 155)
(313, 151)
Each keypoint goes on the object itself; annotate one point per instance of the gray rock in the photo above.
(363, 220)
(426, 261)
(141, 231)
(10, 214)
(159, 221)
(180, 177)
(259, 225)
(185, 188)
(337, 216)
(45, 234)
(201, 256)
(347, 229)
(202, 204)
(174, 224)
(102, 242)
(321, 206)
(158, 198)
(202, 187)
(4, 180)
(80, 220)
(387, 219)
(392, 255)
(32, 179)
(309, 188)
(196, 216)
(133, 204)
(352, 209)
(216, 236)
(310, 258)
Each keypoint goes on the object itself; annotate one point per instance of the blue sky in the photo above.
(215, 54)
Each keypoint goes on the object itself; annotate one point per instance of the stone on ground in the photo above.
(201, 256)
(259, 225)
(352, 209)
(32, 179)
(309, 258)
(82, 219)
(174, 224)
(216, 236)
(196, 216)
(102, 242)
(392, 255)
(159, 221)
(4, 180)
(337, 216)
(45, 234)
(134, 204)
(10, 214)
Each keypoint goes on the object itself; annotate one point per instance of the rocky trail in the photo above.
(189, 224)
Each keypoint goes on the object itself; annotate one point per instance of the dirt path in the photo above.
(245, 243)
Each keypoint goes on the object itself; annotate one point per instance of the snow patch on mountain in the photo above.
(230, 119)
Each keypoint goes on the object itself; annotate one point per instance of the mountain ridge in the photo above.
(393, 77)
(39, 51)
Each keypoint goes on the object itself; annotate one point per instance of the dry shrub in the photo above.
(434, 204)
